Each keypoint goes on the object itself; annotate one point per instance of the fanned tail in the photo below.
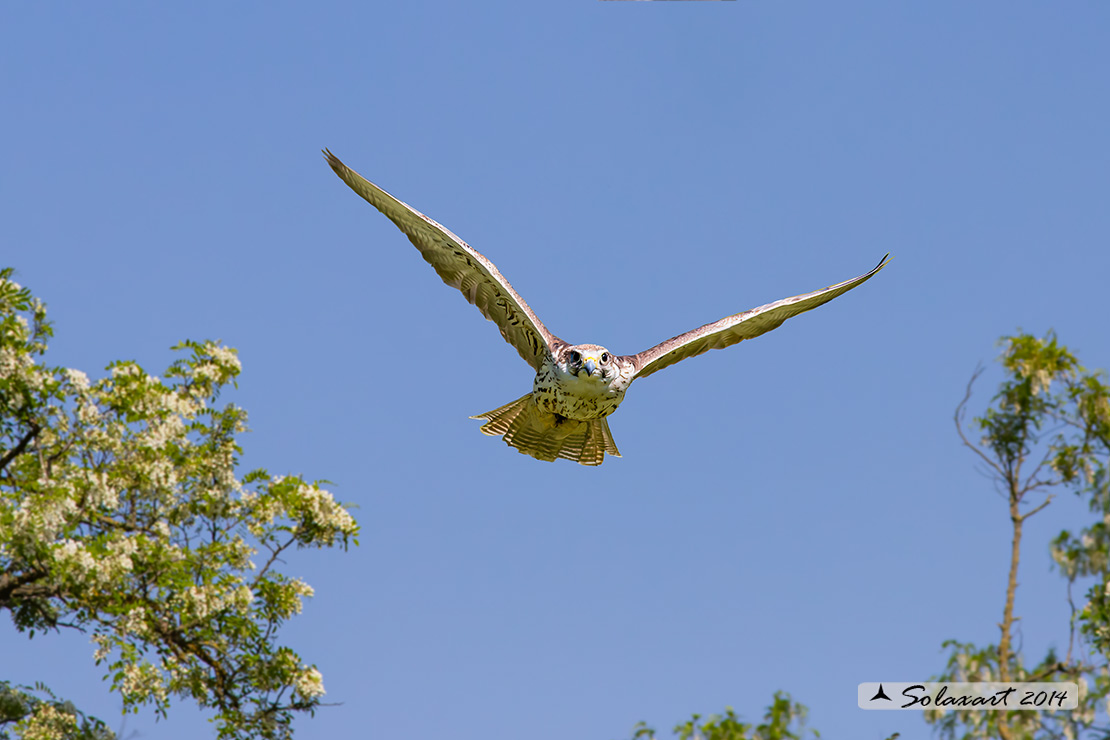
(547, 436)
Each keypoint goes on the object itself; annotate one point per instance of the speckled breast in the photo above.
(582, 399)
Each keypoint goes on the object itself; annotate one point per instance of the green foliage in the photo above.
(1046, 431)
(122, 514)
(784, 720)
(1012, 428)
(968, 663)
(45, 717)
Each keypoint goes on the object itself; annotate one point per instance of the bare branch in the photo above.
(959, 417)
(1051, 670)
(275, 552)
(1043, 504)
(1031, 480)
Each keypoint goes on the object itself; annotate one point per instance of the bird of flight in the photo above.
(577, 386)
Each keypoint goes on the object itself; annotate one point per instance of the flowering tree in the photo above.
(1049, 430)
(784, 719)
(121, 515)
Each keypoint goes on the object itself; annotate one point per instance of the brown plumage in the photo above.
(576, 386)
(547, 436)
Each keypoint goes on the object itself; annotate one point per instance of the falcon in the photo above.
(577, 386)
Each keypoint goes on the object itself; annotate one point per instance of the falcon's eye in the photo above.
(574, 356)
(604, 357)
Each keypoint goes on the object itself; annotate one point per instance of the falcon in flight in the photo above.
(577, 386)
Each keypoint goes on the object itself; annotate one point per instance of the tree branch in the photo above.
(958, 418)
(1030, 513)
(22, 586)
(16, 451)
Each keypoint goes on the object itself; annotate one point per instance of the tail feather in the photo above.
(547, 436)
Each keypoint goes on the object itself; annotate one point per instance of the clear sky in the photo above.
(791, 513)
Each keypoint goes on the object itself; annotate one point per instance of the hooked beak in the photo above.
(589, 365)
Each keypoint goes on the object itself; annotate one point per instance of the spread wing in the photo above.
(741, 326)
(461, 267)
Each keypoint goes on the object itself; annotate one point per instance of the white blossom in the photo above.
(132, 623)
(46, 723)
(326, 511)
(100, 491)
(126, 370)
(223, 355)
(309, 683)
(103, 647)
(77, 379)
(302, 588)
(243, 599)
(12, 361)
(142, 680)
(74, 554)
(43, 517)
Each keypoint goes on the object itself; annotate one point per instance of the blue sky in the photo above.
(792, 513)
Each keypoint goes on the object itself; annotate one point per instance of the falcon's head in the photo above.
(589, 361)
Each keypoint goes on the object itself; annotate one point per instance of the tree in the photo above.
(784, 720)
(1047, 431)
(122, 515)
